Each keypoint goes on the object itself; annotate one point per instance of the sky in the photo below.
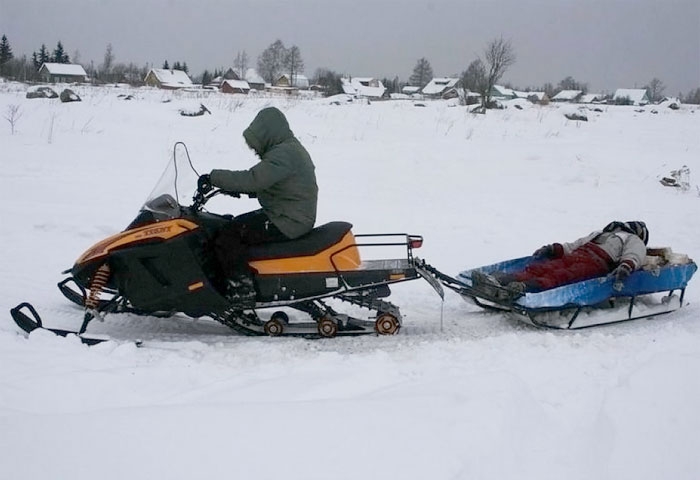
(606, 44)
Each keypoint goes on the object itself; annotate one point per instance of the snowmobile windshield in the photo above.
(175, 186)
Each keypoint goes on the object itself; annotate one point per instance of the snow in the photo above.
(480, 397)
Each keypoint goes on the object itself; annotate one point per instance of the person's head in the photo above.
(634, 227)
(268, 128)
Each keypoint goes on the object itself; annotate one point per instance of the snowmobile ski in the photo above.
(28, 324)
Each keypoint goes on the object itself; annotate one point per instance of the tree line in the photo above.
(277, 59)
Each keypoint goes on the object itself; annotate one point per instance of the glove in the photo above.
(621, 273)
(204, 185)
(554, 250)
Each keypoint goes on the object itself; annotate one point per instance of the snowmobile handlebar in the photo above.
(200, 199)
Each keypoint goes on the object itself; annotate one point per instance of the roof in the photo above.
(240, 84)
(252, 76)
(439, 84)
(637, 95)
(172, 77)
(363, 86)
(567, 95)
(64, 69)
(506, 92)
(591, 97)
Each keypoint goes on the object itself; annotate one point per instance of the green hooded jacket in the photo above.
(285, 178)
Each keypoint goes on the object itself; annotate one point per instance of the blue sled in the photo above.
(646, 293)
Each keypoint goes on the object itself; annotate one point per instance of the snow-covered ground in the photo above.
(483, 397)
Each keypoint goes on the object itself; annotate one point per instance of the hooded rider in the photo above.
(284, 182)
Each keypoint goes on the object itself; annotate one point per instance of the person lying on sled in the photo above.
(618, 249)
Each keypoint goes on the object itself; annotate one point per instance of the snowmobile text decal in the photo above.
(162, 230)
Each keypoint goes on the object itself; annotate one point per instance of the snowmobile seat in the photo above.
(312, 243)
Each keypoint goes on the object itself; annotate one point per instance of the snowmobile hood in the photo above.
(268, 128)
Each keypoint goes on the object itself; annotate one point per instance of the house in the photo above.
(298, 81)
(441, 87)
(366, 87)
(571, 96)
(167, 79)
(235, 86)
(635, 96)
(499, 92)
(231, 74)
(62, 73)
(534, 97)
(255, 81)
(592, 98)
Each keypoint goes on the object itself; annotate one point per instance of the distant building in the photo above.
(255, 81)
(167, 79)
(499, 92)
(441, 87)
(636, 96)
(299, 81)
(62, 73)
(235, 86)
(592, 98)
(366, 87)
(571, 96)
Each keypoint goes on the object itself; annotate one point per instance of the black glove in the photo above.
(204, 185)
(621, 273)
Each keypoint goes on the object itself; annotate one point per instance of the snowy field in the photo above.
(483, 397)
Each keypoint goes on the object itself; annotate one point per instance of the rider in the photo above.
(619, 248)
(284, 182)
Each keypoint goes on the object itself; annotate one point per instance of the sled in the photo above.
(163, 264)
(658, 288)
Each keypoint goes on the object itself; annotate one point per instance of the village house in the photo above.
(235, 86)
(635, 96)
(365, 87)
(167, 79)
(441, 87)
(62, 73)
(298, 81)
(499, 92)
(571, 96)
(255, 81)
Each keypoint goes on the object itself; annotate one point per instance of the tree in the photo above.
(270, 62)
(569, 83)
(693, 97)
(240, 63)
(655, 90)
(474, 79)
(59, 55)
(41, 57)
(422, 73)
(206, 78)
(329, 80)
(498, 56)
(107, 63)
(5, 53)
(166, 66)
(293, 63)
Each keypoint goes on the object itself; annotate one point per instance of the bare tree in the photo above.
(13, 116)
(656, 89)
(422, 73)
(293, 63)
(107, 63)
(569, 83)
(240, 63)
(270, 62)
(498, 56)
(474, 79)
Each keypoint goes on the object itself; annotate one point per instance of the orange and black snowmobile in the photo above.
(163, 264)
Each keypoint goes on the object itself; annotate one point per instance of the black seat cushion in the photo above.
(312, 243)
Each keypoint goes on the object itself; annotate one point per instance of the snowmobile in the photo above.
(657, 288)
(163, 264)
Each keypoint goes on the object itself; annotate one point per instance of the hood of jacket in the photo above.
(268, 128)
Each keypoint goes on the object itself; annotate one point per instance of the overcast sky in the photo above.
(608, 43)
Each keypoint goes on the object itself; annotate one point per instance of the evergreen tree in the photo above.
(59, 55)
(43, 55)
(206, 77)
(5, 53)
(422, 73)
(166, 66)
(184, 67)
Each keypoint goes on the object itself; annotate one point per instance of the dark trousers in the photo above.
(231, 244)
(586, 262)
